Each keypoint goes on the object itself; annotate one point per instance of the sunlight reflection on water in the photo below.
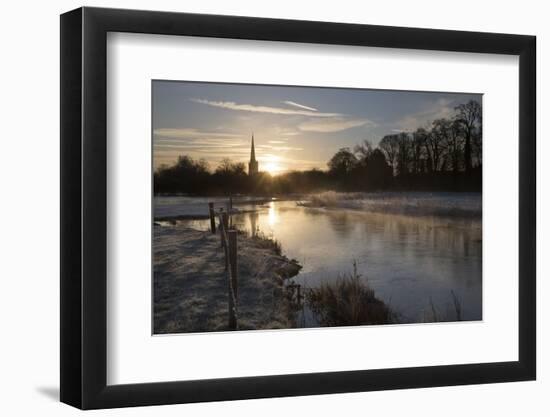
(272, 218)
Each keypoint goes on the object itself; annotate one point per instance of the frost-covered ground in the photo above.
(191, 286)
(406, 203)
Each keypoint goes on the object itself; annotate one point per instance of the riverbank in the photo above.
(191, 287)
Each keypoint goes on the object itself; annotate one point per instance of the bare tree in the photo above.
(455, 146)
(469, 118)
(405, 153)
(450, 144)
(225, 166)
(436, 144)
(228, 167)
(363, 150)
(419, 138)
(390, 147)
(477, 143)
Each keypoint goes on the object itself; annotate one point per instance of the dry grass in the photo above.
(348, 302)
(454, 313)
(457, 306)
(266, 242)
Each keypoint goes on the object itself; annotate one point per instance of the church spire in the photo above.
(253, 164)
(252, 152)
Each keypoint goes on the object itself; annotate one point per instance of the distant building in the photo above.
(253, 164)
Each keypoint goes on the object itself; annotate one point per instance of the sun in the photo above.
(272, 168)
(272, 165)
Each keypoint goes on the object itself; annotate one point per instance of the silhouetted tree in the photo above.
(390, 146)
(436, 143)
(469, 118)
(404, 153)
(378, 173)
(227, 167)
(186, 175)
(342, 162)
(419, 138)
(231, 176)
(455, 146)
(363, 151)
(476, 141)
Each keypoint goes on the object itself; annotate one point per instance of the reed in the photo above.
(267, 242)
(349, 301)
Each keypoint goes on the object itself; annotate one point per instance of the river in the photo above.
(413, 262)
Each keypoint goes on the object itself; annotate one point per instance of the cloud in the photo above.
(195, 141)
(186, 133)
(441, 108)
(333, 125)
(300, 106)
(279, 148)
(197, 144)
(231, 105)
(202, 152)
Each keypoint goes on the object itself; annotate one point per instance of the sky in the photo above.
(295, 128)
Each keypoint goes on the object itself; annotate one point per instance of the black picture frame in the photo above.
(84, 207)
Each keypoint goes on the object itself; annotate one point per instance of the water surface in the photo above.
(412, 262)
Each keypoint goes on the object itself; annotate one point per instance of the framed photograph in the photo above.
(256, 208)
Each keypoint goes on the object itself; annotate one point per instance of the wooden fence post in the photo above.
(231, 210)
(221, 228)
(233, 279)
(225, 244)
(212, 218)
(228, 209)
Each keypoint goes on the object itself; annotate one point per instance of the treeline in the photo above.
(447, 156)
(191, 176)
